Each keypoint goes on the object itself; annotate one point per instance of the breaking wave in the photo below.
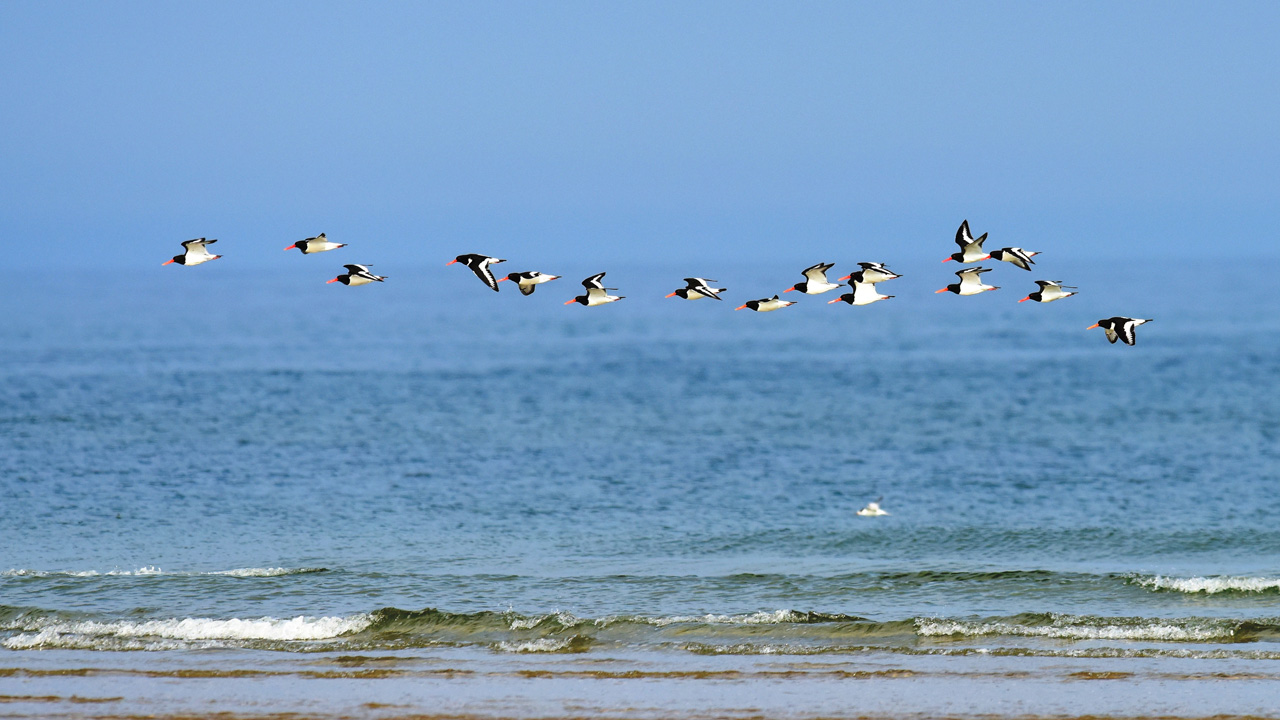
(782, 631)
(1210, 585)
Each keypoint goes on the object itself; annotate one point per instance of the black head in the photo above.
(799, 286)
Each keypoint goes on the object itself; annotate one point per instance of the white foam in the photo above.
(1211, 585)
(1067, 630)
(153, 570)
(564, 618)
(541, 645)
(758, 618)
(52, 633)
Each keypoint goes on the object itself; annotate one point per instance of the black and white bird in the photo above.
(596, 294)
(196, 253)
(765, 304)
(970, 282)
(816, 280)
(871, 272)
(1017, 256)
(357, 275)
(698, 288)
(315, 244)
(864, 293)
(479, 265)
(1120, 328)
(970, 249)
(1049, 291)
(529, 281)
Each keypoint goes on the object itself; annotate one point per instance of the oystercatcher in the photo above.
(529, 281)
(1120, 328)
(357, 275)
(970, 282)
(196, 253)
(315, 244)
(1049, 291)
(479, 265)
(816, 282)
(970, 249)
(698, 288)
(597, 293)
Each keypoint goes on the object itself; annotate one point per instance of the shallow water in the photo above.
(257, 473)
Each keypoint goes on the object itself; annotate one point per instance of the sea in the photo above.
(236, 490)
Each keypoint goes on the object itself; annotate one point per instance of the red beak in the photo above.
(1025, 299)
(833, 301)
(935, 292)
(846, 277)
(292, 247)
(947, 260)
(450, 263)
(501, 279)
(788, 290)
(570, 302)
(326, 282)
(671, 295)
(166, 262)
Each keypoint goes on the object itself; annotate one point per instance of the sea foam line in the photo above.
(53, 633)
(1210, 585)
(153, 570)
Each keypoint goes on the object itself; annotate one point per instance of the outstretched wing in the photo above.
(817, 273)
(963, 236)
(595, 282)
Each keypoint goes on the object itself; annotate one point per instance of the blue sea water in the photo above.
(241, 468)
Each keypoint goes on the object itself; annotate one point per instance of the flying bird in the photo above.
(816, 280)
(1120, 328)
(1049, 291)
(698, 288)
(1017, 256)
(479, 265)
(196, 253)
(528, 281)
(970, 282)
(315, 244)
(357, 275)
(864, 293)
(765, 304)
(596, 294)
(873, 509)
(871, 272)
(970, 249)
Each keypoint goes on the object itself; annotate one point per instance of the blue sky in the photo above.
(636, 130)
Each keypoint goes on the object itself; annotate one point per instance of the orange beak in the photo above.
(788, 290)
(570, 302)
(1092, 326)
(740, 307)
(1025, 299)
(935, 292)
(846, 277)
(947, 260)
(292, 247)
(166, 262)
(833, 301)
(502, 279)
(450, 263)
(326, 282)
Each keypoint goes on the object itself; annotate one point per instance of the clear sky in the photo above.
(630, 130)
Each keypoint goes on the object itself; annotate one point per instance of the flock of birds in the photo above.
(862, 283)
